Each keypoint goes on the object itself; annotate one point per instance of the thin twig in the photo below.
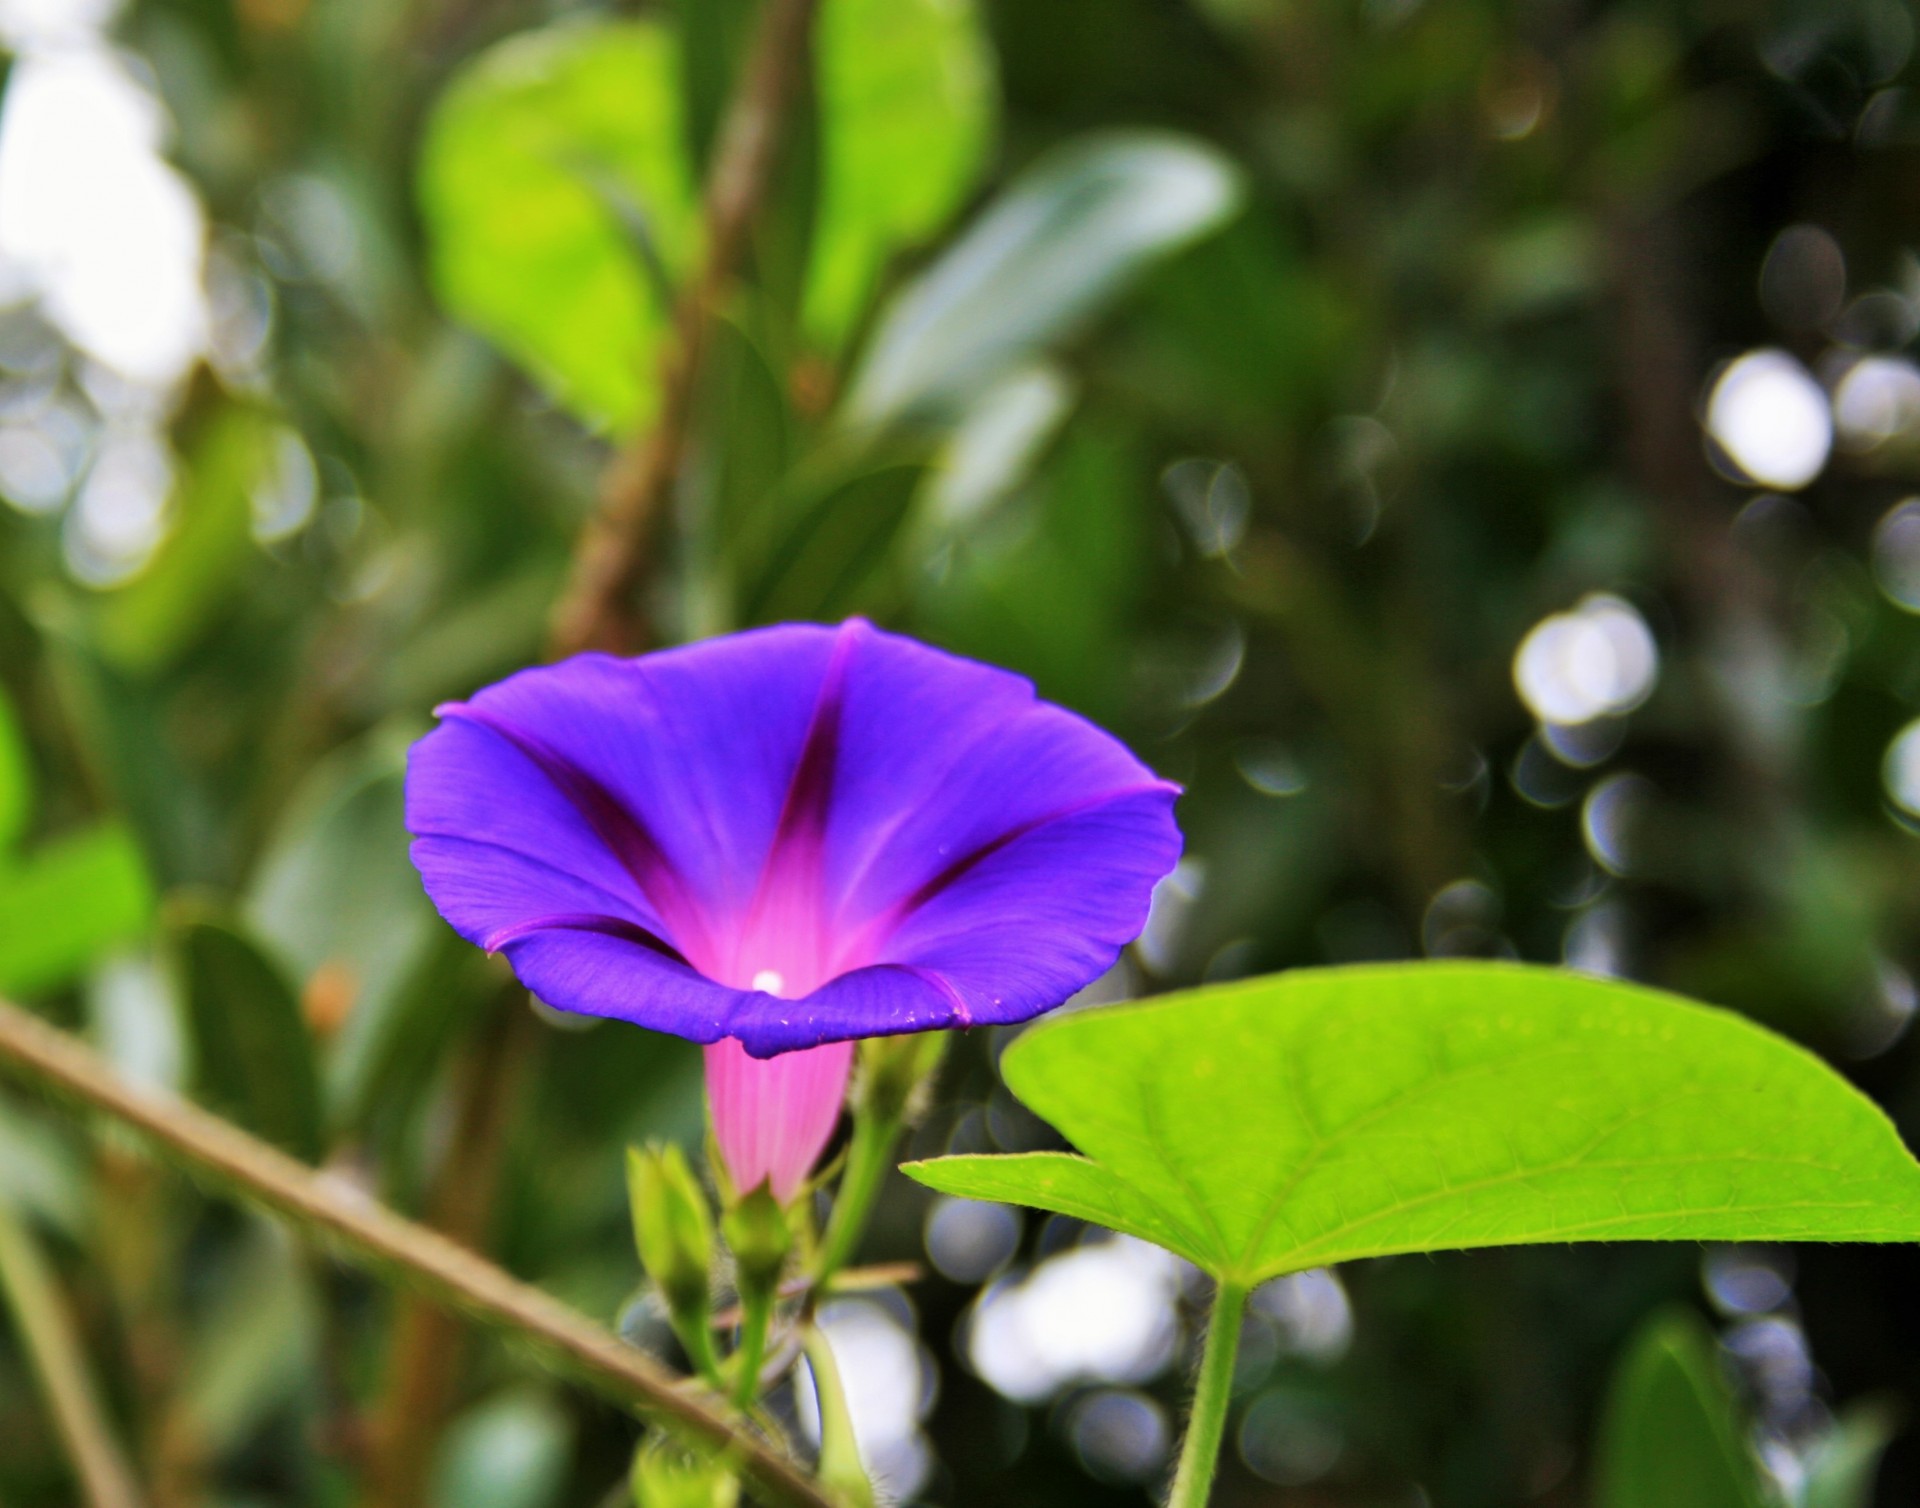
(323, 1204)
(596, 611)
(46, 1330)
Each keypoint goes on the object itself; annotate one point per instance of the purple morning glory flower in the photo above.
(785, 838)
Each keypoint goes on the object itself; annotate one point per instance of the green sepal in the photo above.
(673, 1233)
(667, 1475)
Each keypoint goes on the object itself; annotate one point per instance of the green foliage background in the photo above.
(1254, 374)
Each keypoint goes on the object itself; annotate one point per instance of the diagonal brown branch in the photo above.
(320, 1203)
(596, 611)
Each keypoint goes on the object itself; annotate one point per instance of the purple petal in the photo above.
(1017, 934)
(597, 971)
(897, 837)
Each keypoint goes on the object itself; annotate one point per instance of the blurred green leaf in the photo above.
(555, 185)
(906, 112)
(1842, 1468)
(829, 536)
(1041, 260)
(744, 405)
(16, 779)
(511, 1451)
(1322, 1115)
(713, 39)
(119, 722)
(64, 906)
(256, 1349)
(388, 1072)
(253, 1056)
(994, 445)
(1671, 1438)
(133, 1007)
(338, 901)
(41, 1173)
(148, 622)
(1047, 586)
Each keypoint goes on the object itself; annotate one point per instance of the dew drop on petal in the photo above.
(769, 982)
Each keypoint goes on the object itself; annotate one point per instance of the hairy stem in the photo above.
(326, 1206)
(840, 1470)
(756, 1319)
(46, 1331)
(1212, 1393)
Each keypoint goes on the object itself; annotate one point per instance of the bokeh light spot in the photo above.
(1900, 770)
(1771, 419)
(1119, 1436)
(968, 1240)
(1896, 554)
(1596, 660)
(1877, 401)
(1100, 1312)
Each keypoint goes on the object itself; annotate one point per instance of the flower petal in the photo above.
(662, 778)
(598, 969)
(1023, 929)
(943, 760)
(915, 836)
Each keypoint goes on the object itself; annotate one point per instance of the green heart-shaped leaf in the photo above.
(1313, 1117)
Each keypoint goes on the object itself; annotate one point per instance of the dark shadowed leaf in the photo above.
(340, 905)
(827, 538)
(714, 36)
(1293, 1121)
(253, 1057)
(1672, 1438)
(1041, 260)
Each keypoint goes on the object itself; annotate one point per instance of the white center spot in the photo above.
(768, 981)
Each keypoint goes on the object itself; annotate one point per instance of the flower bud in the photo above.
(667, 1475)
(673, 1229)
(759, 1237)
